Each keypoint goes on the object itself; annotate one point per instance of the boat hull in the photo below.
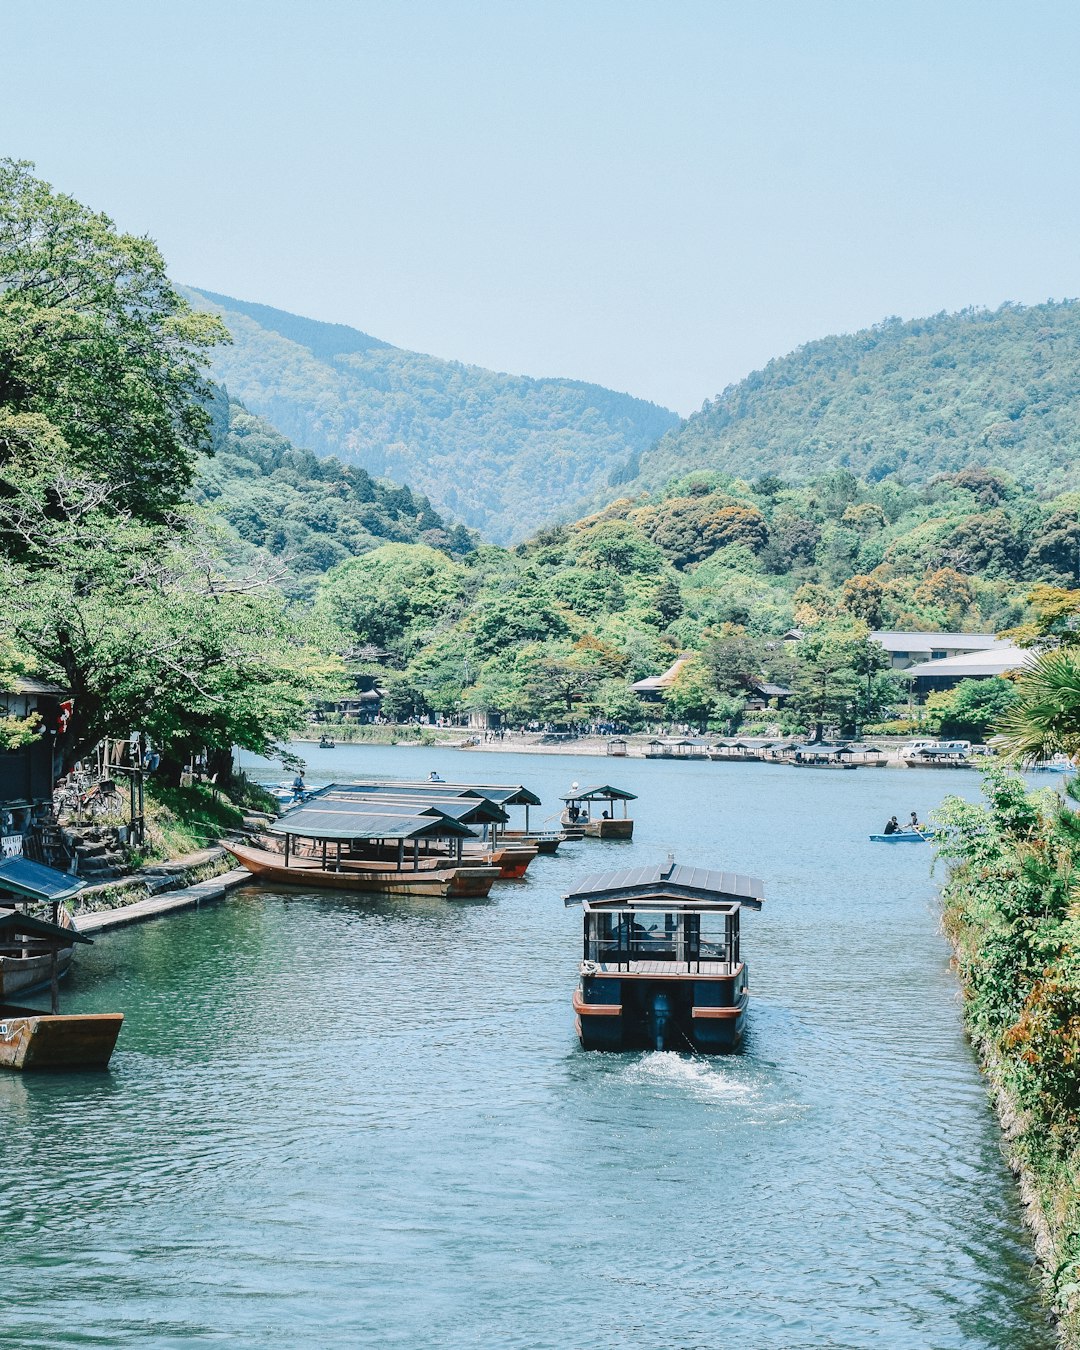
(619, 1011)
(901, 837)
(21, 975)
(33, 1040)
(457, 882)
(913, 762)
(609, 829)
(543, 843)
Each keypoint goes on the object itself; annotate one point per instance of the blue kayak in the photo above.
(901, 837)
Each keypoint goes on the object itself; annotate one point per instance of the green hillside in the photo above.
(994, 388)
(502, 453)
(308, 513)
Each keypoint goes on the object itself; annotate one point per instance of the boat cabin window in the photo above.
(683, 936)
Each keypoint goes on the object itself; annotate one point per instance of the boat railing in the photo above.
(626, 938)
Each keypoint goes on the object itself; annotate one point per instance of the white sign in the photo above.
(11, 845)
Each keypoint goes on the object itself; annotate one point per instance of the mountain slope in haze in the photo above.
(503, 453)
(994, 388)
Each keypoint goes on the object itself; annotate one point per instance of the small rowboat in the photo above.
(901, 837)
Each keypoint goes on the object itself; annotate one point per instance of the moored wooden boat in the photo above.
(32, 1039)
(365, 876)
(661, 965)
(24, 970)
(38, 1040)
(481, 806)
(579, 819)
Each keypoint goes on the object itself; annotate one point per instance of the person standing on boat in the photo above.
(893, 827)
(298, 788)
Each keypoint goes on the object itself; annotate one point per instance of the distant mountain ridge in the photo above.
(504, 454)
(995, 388)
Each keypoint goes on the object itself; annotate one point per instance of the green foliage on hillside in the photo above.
(992, 388)
(558, 627)
(502, 453)
(308, 513)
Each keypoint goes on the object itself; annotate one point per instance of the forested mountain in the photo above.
(994, 388)
(306, 512)
(557, 627)
(502, 453)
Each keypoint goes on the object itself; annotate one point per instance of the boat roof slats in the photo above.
(503, 794)
(601, 793)
(673, 879)
(464, 809)
(35, 881)
(14, 922)
(326, 822)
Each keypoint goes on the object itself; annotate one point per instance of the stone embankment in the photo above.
(156, 889)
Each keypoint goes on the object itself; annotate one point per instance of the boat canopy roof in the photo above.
(35, 881)
(599, 794)
(355, 820)
(467, 810)
(14, 923)
(673, 882)
(503, 794)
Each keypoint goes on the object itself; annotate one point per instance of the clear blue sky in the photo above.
(656, 196)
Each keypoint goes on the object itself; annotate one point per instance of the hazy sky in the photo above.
(655, 196)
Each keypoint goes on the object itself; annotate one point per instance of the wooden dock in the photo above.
(188, 897)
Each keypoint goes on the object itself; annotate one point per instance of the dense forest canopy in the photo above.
(998, 389)
(558, 627)
(307, 513)
(501, 453)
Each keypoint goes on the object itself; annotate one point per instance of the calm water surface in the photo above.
(336, 1124)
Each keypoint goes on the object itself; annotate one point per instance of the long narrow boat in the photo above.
(661, 966)
(579, 816)
(342, 845)
(367, 878)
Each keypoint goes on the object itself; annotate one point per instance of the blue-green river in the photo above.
(338, 1124)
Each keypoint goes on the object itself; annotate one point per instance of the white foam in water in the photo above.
(703, 1079)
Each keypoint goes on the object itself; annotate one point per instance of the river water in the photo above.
(338, 1124)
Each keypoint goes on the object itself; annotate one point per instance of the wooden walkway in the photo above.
(189, 897)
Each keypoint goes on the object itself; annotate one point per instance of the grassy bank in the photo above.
(384, 734)
(1011, 908)
(181, 820)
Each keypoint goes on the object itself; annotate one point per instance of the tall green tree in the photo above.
(101, 359)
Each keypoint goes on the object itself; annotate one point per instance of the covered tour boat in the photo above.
(32, 1039)
(21, 879)
(499, 846)
(661, 966)
(591, 812)
(352, 846)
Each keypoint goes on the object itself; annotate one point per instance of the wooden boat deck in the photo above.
(666, 969)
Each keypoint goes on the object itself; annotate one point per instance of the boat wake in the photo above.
(705, 1080)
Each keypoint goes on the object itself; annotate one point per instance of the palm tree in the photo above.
(1045, 720)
